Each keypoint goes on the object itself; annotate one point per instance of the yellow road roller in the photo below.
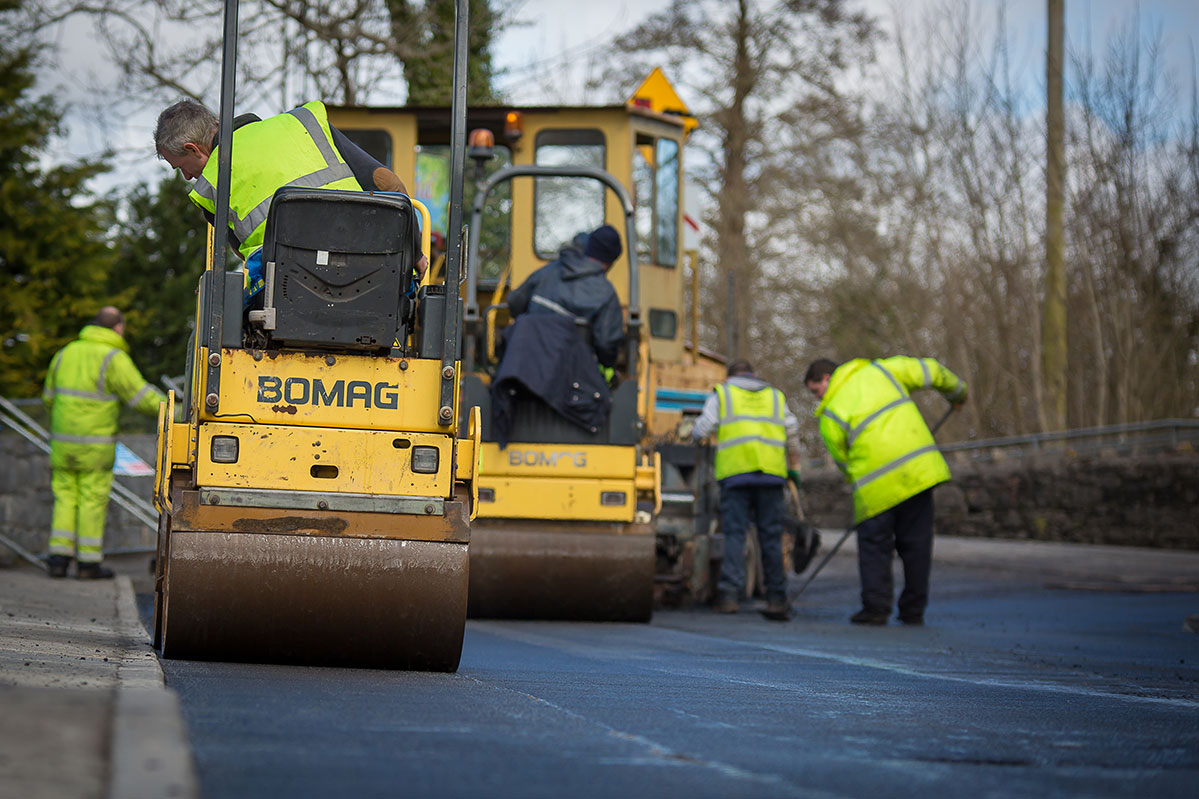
(315, 496)
(566, 513)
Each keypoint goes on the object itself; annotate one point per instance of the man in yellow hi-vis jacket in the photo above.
(879, 440)
(757, 451)
(85, 386)
(298, 148)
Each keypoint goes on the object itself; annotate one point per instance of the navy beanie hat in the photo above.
(604, 245)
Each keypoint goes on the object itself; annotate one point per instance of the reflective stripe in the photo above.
(85, 541)
(65, 439)
(928, 378)
(958, 393)
(313, 127)
(553, 306)
(732, 442)
(890, 377)
(761, 419)
(854, 433)
(726, 415)
(92, 395)
(62, 544)
(100, 381)
(837, 420)
(205, 189)
(313, 180)
(136, 398)
(879, 472)
(726, 407)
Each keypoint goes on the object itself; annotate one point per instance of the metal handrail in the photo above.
(1037, 440)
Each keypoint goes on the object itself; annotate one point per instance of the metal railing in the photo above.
(1120, 439)
(1137, 438)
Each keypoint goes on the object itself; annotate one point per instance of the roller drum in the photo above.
(521, 571)
(369, 602)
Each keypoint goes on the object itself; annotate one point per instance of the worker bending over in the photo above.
(879, 440)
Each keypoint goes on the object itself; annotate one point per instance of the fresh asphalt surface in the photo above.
(1013, 689)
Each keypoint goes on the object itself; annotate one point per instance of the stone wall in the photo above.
(25, 498)
(1148, 501)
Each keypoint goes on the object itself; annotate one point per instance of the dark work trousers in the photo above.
(908, 530)
(762, 506)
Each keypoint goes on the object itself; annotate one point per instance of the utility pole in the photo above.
(1053, 318)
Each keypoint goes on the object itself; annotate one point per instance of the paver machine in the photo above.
(315, 496)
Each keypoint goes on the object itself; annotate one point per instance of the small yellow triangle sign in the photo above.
(657, 93)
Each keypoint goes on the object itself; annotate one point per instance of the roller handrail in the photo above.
(471, 311)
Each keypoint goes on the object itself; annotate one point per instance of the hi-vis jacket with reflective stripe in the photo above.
(876, 434)
(752, 436)
(292, 149)
(87, 381)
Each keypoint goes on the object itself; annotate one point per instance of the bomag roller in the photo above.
(315, 496)
(567, 531)
(569, 523)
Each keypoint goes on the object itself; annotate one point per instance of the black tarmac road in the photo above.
(1016, 687)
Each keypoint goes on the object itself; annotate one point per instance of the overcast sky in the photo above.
(534, 56)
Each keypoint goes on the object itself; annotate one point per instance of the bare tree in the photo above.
(749, 70)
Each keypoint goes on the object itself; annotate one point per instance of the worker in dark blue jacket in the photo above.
(576, 286)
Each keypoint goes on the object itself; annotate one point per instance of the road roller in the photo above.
(566, 512)
(315, 492)
(568, 524)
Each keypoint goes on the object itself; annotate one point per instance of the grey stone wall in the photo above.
(1148, 501)
(25, 498)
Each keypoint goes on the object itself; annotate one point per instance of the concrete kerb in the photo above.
(150, 756)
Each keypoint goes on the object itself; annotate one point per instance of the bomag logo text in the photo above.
(517, 457)
(302, 391)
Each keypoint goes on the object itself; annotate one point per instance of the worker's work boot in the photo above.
(777, 609)
(57, 565)
(869, 617)
(913, 620)
(94, 571)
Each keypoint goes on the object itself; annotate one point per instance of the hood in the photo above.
(747, 383)
(576, 265)
(103, 335)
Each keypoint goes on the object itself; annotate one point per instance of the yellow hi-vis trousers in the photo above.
(80, 506)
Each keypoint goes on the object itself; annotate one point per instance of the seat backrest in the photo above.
(343, 261)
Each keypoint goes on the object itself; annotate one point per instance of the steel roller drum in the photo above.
(594, 572)
(320, 600)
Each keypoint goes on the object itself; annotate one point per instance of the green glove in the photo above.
(793, 476)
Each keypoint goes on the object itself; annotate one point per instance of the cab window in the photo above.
(376, 143)
(565, 207)
(656, 198)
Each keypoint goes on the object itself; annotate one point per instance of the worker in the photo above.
(757, 451)
(299, 148)
(879, 440)
(575, 286)
(88, 381)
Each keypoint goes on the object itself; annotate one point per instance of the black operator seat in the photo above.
(343, 263)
